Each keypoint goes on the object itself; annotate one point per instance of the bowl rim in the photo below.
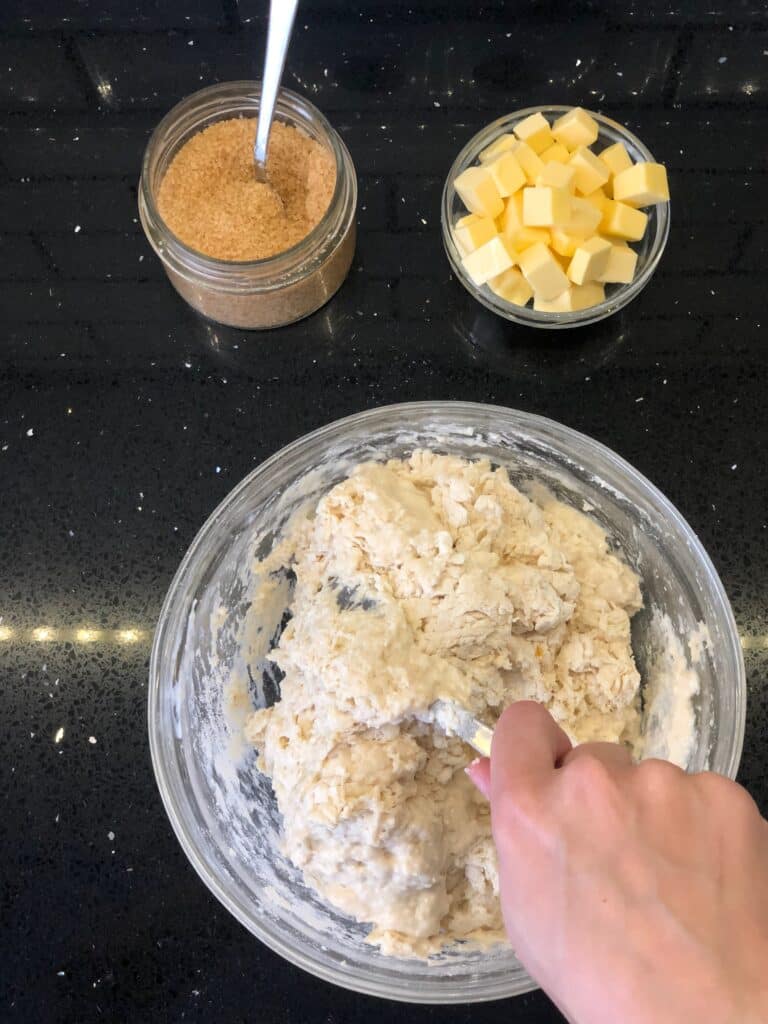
(525, 315)
(273, 939)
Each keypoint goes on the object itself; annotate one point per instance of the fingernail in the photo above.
(471, 765)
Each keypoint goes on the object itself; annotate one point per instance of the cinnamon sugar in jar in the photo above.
(243, 254)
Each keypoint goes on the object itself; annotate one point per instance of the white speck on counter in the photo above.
(722, 60)
(92, 740)
(77, 229)
(640, 399)
(31, 432)
(111, 836)
(218, 469)
(59, 734)
(735, 465)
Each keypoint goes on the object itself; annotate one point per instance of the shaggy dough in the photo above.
(416, 580)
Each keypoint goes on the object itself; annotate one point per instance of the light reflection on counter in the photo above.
(79, 635)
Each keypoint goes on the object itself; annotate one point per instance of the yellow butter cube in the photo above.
(564, 261)
(542, 271)
(557, 176)
(622, 263)
(507, 174)
(583, 218)
(490, 260)
(598, 199)
(527, 237)
(556, 152)
(511, 286)
(623, 221)
(511, 220)
(535, 131)
(499, 146)
(591, 172)
(616, 158)
(478, 192)
(590, 260)
(472, 231)
(578, 296)
(544, 206)
(575, 128)
(529, 161)
(563, 243)
(642, 185)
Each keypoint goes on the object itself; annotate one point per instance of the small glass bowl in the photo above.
(649, 248)
(253, 294)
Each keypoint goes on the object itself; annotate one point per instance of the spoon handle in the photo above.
(281, 15)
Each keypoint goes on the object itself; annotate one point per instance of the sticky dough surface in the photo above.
(416, 580)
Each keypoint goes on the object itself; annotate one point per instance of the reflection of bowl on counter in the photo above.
(262, 293)
(649, 249)
(223, 809)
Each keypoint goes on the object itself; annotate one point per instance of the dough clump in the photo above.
(432, 577)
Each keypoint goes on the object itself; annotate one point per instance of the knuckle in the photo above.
(655, 774)
(589, 772)
(718, 789)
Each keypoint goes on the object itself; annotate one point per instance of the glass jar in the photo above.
(254, 294)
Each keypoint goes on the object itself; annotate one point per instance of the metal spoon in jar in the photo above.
(281, 15)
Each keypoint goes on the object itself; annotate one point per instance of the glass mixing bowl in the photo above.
(649, 249)
(223, 809)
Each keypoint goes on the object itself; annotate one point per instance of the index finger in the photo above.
(527, 746)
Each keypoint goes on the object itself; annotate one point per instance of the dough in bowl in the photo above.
(432, 577)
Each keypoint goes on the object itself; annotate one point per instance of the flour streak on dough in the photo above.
(416, 580)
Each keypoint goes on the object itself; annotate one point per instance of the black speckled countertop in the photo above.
(124, 419)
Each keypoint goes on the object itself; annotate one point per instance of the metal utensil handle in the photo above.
(281, 16)
(481, 740)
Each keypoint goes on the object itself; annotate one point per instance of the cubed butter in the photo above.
(557, 175)
(511, 286)
(511, 220)
(622, 263)
(591, 172)
(529, 161)
(535, 131)
(499, 146)
(616, 158)
(473, 231)
(490, 260)
(544, 206)
(583, 218)
(642, 185)
(542, 271)
(623, 221)
(556, 152)
(478, 192)
(563, 243)
(575, 128)
(507, 174)
(590, 260)
(578, 296)
(598, 199)
(526, 237)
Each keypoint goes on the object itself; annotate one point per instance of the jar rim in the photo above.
(248, 90)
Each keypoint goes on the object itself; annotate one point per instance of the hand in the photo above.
(632, 893)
